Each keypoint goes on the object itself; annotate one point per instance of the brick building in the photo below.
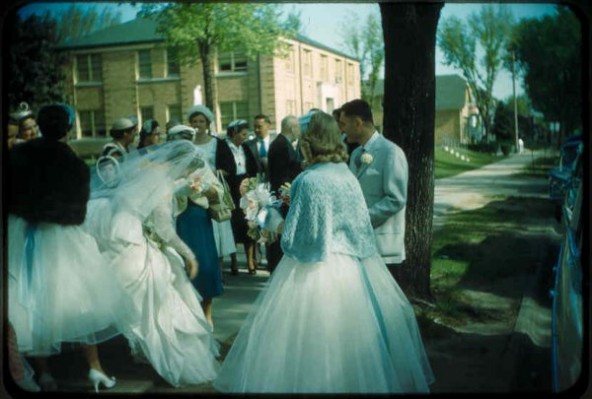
(127, 70)
(457, 119)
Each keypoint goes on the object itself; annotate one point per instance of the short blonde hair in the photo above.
(322, 140)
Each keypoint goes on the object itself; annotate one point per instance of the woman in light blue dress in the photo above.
(331, 319)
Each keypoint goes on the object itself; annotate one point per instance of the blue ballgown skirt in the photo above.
(338, 326)
(194, 226)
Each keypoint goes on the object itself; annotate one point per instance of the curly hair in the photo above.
(322, 141)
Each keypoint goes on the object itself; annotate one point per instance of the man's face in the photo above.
(130, 135)
(295, 128)
(350, 125)
(261, 128)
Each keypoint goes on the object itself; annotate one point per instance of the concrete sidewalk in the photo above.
(466, 191)
(475, 188)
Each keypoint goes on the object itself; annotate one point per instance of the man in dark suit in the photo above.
(284, 166)
(259, 146)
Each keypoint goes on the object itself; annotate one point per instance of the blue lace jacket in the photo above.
(327, 214)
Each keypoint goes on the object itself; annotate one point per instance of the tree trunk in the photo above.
(409, 111)
(207, 58)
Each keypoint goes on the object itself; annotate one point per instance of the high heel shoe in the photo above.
(96, 378)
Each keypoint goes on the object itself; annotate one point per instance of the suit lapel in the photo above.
(370, 149)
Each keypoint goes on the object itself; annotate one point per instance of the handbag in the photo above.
(222, 210)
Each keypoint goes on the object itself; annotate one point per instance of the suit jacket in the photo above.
(384, 184)
(283, 162)
(262, 167)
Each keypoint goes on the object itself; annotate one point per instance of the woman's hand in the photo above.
(191, 268)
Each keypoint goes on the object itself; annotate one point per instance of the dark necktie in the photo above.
(262, 150)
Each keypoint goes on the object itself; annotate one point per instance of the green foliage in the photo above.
(209, 28)
(548, 52)
(489, 29)
(251, 28)
(78, 21)
(366, 43)
(33, 66)
(503, 122)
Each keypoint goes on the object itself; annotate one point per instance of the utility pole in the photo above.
(515, 102)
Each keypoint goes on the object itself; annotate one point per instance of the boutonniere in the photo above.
(367, 158)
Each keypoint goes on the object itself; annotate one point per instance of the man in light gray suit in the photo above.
(381, 168)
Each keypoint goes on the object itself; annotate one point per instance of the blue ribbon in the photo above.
(29, 248)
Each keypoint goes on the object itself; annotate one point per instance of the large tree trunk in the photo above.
(207, 62)
(409, 110)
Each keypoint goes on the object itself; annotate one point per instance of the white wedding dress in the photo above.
(331, 319)
(173, 334)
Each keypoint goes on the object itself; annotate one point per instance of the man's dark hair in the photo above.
(54, 121)
(262, 116)
(359, 108)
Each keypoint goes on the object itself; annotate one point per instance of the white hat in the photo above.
(182, 131)
(202, 109)
(122, 124)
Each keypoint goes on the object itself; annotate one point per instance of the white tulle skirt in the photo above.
(339, 326)
(60, 288)
(173, 333)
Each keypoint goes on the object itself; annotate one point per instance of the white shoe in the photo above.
(97, 378)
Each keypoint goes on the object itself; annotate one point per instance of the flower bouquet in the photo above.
(260, 208)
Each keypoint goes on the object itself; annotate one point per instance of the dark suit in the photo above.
(262, 167)
(284, 166)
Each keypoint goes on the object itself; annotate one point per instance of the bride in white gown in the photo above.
(131, 214)
(331, 319)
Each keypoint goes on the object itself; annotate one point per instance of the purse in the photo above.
(222, 210)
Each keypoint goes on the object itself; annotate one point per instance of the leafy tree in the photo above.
(252, 28)
(78, 21)
(34, 68)
(409, 109)
(503, 122)
(491, 29)
(548, 52)
(367, 45)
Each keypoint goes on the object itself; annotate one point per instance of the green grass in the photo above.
(446, 164)
(476, 248)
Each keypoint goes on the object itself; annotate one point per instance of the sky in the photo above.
(324, 23)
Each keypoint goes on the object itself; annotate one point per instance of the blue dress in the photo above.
(331, 318)
(194, 226)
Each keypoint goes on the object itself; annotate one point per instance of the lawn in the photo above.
(479, 249)
(447, 164)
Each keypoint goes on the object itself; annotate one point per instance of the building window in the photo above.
(92, 123)
(174, 113)
(145, 64)
(308, 105)
(338, 72)
(232, 62)
(307, 63)
(329, 105)
(172, 63)
(89, 68)
(324, 68)
(290, 60)
(232, 110)
(350, 73)
(146, 113)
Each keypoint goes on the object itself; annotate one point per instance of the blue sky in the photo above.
(324, 22)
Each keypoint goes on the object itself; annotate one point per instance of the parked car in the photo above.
(562, 177)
